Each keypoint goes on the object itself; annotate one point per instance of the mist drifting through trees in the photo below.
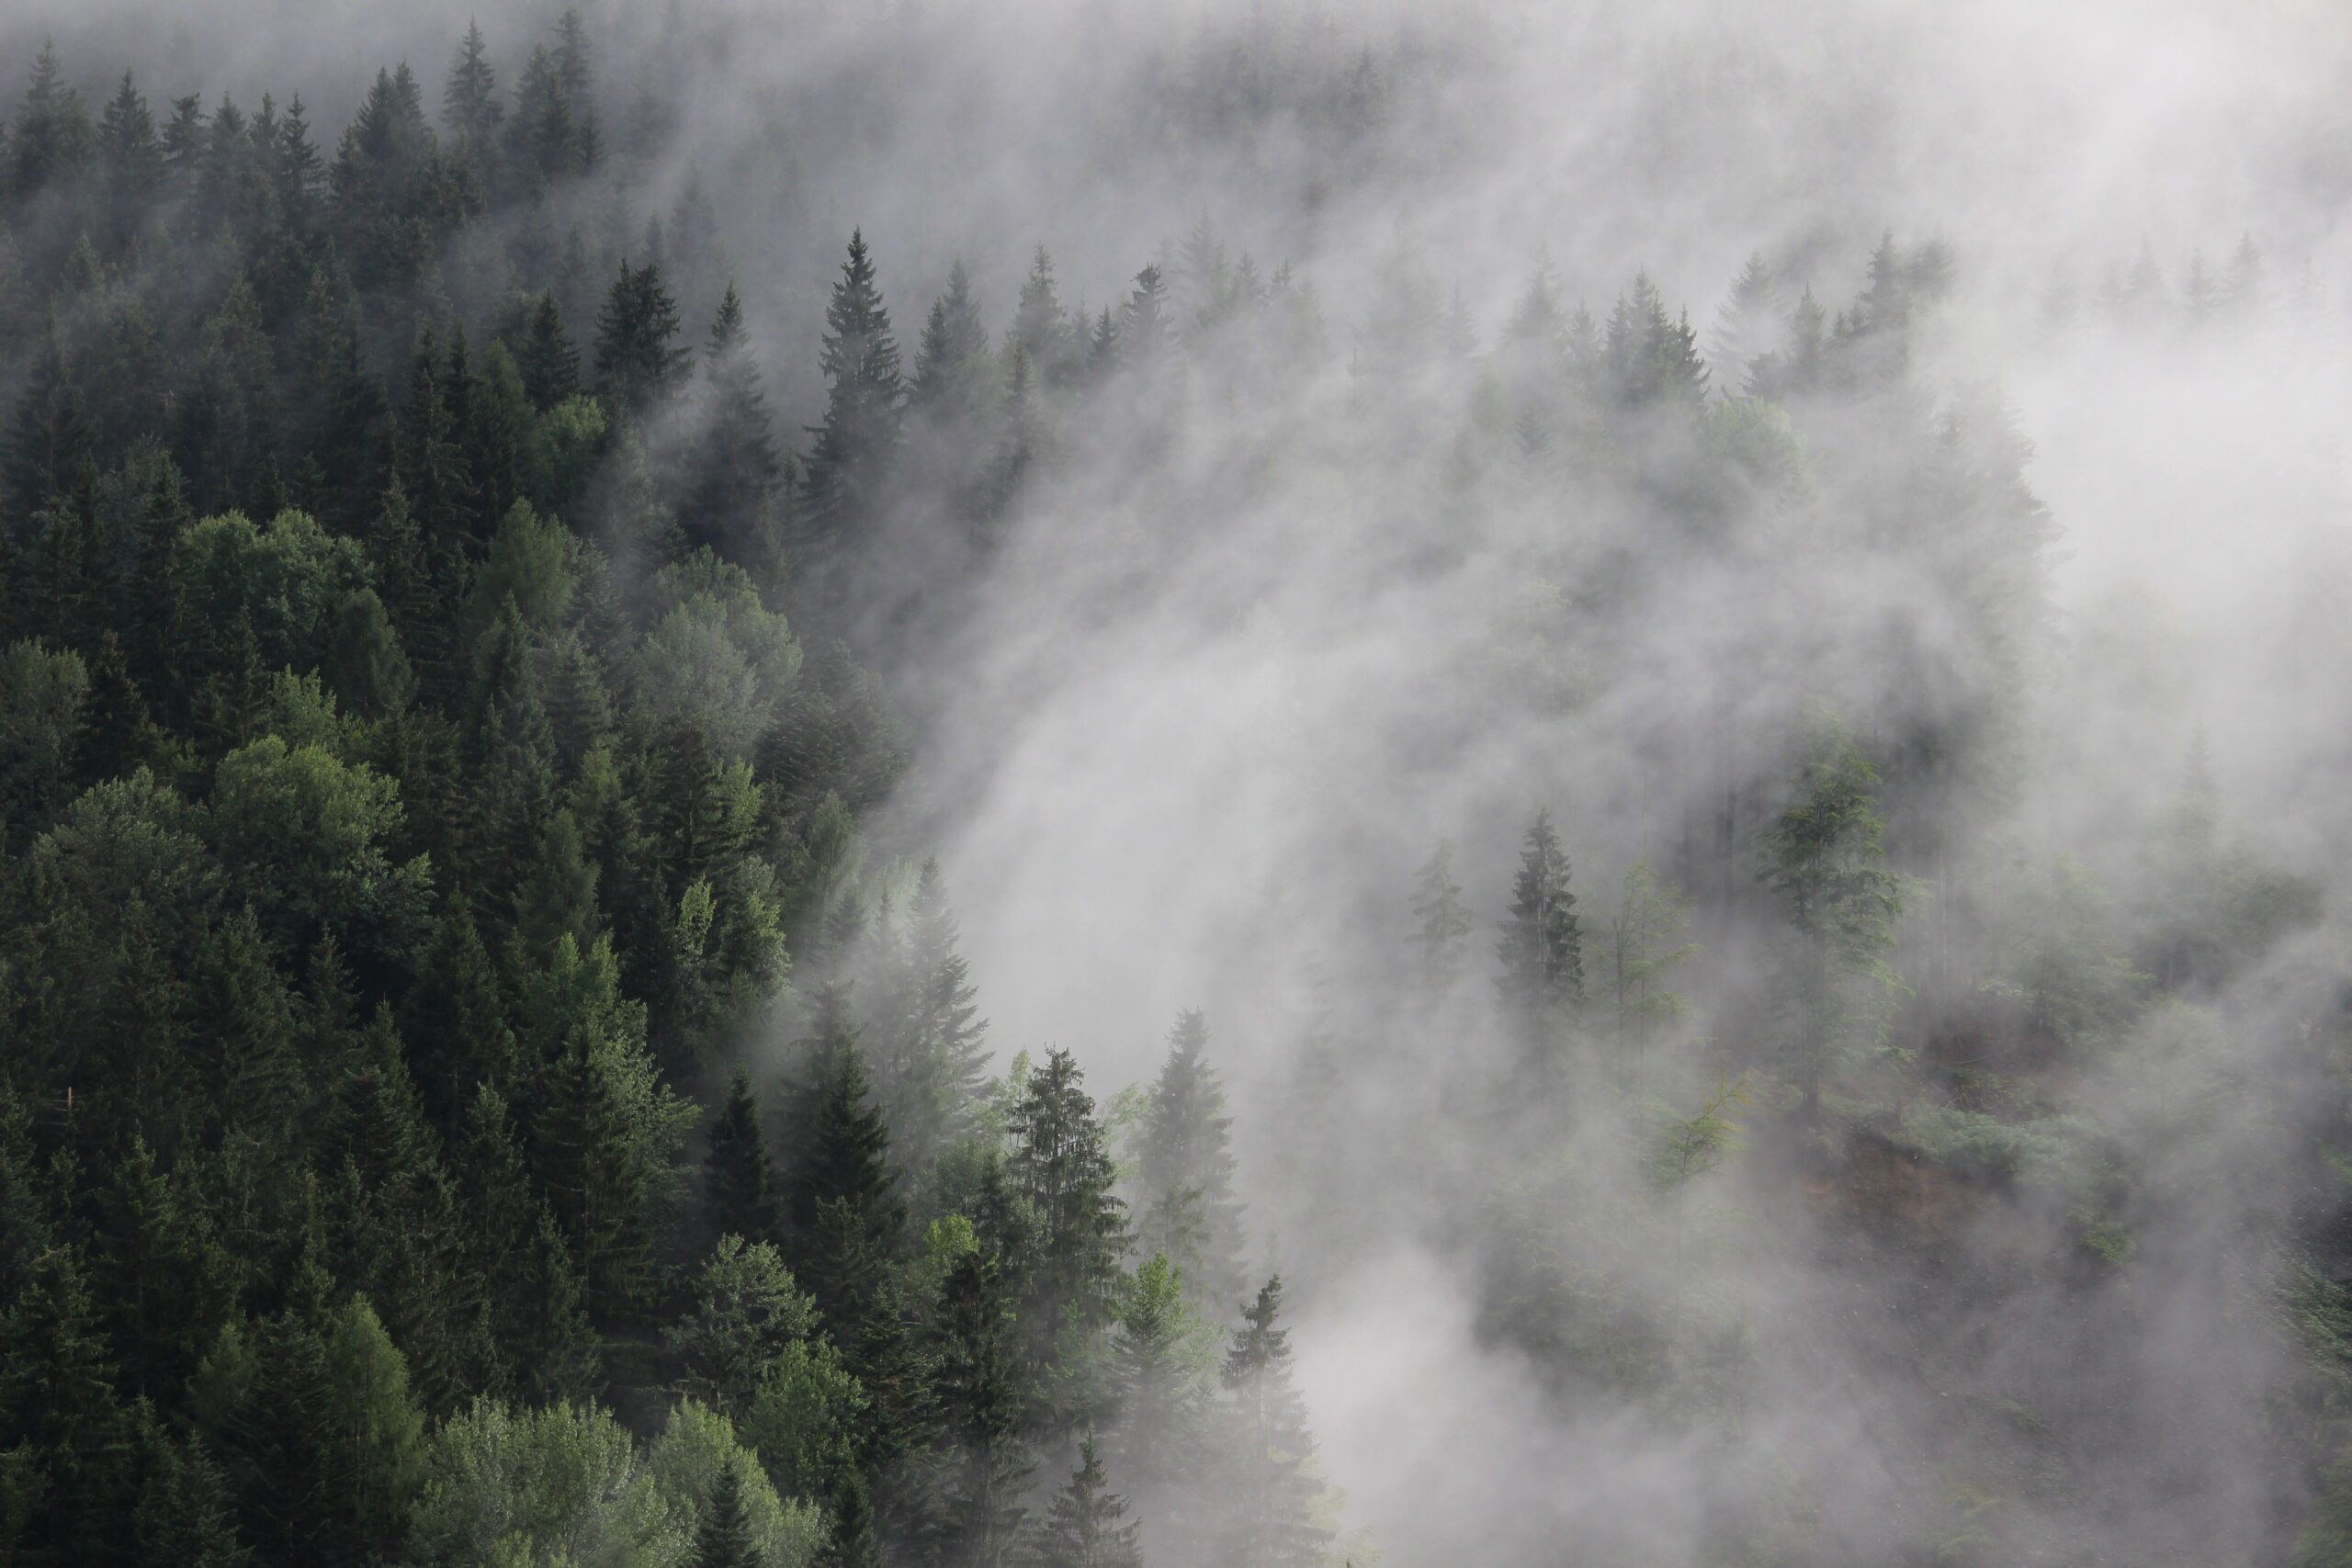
(1089, 785)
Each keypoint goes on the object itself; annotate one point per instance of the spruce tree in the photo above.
(736, 470)
(1541, 947)
(469, 104)
(546, 357)
(1086, 1527)
(1747, 327)
(639, 360)
(846, 1211)
(1443, 920)
(937, 1059)
(952, 361)
(1060, 1164)
(723, 1538)
(1272, 1490)
(1041, 328)
(1184, 1170)
(739, 1180)
(982, 1408)
(851, 456)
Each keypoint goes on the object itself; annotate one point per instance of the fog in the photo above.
(1238, 660)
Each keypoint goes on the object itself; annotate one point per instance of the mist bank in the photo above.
(1696, 652)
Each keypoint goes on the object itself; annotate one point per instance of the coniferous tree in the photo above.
(1184, 1170)
(549, 361)
(1059, 1163)
(736, 470)
(469, 104)
(845, 1208)
(639, 360)
(723, 1537)
(1747, 327)
(1443, 920)
(937, 1052)
(982, 1410)
(952, 361)
(1541, 947)
(852, 453)
(52, 139)
(1087, 1525)
(739, 1180)
(1042, 332)
(1271, 1488)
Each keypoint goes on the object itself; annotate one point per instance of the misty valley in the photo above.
(1097, 786)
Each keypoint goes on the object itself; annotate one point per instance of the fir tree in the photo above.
(739, 1180)
(952, 360)
(1443, 920)
(723, 1537)
(1747, 327)
(469, 104)
(1185, 1167)
(845, 1208)
(1084, 1528)
(549, 364)
(1272, 1490)
(1060, 1166)
(853, 444)
(986, 1469)
(736, 470)
(1541, 947)
(639, 360)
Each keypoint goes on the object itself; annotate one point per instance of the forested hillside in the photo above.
(504, 669)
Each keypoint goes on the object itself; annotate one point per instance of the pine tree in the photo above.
(1041, 328)
(469, 104)
(1084, 1527)
(845, 1210)
(549, 364)
(1162, 1360)
(952, 361)
(1272, 1491)
(1146, 330)
(1747, 326)
(723, 1538)
(1443, 920)
(739, 1180)
(852, 453)
(737, 472)
(1185, 1167)
(637, 357)
(1060, 1164)
(132, 158)
(52, 139)
(981, 1513)
(1541, 947)
(937, 1055)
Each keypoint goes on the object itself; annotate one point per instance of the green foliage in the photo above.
(747, 1311)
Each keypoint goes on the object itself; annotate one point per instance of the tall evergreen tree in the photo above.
(638, 359)
(1184, 1170)
(1272, 1490)
(1059, 1163)
(1541, 947)
(1087, 1525)
(737, 473)
(851, 456)
(740, 1194)
(470, 103)
(1443, 921)
(723, 1538)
